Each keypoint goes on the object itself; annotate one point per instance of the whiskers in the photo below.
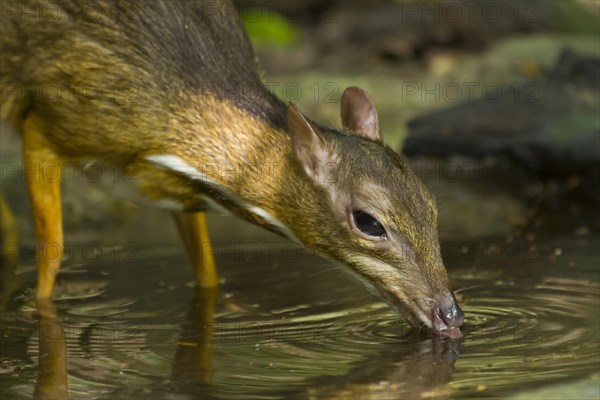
(459, 297)
(327, 270)
(359, 295)
(446, 203)
(466, 288)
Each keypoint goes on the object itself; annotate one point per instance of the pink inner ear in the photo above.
(306, 143)
(301, 132)
(359, 114)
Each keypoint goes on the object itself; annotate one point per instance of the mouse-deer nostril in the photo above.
(453, 316)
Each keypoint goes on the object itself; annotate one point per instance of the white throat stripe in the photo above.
(176, 164)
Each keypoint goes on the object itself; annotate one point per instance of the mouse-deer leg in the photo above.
(8, 233)
(194, 233)
(9, 253)
(43, 172)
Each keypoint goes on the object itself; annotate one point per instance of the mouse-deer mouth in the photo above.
(411, 296)
(447, 317)
(444, 319)
(442, 327)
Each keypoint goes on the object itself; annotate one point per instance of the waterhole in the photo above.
(287, 324)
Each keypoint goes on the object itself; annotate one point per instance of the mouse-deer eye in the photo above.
(368, 225)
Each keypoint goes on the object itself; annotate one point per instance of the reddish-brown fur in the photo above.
(182, 106)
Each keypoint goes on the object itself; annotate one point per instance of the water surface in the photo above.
(287, 324)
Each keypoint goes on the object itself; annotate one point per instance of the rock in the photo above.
(581, 71)
(476, 198)
(550, 127)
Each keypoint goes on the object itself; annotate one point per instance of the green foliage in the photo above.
(572, 17)
(267, 27)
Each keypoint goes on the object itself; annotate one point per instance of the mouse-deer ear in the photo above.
(359, 114)
(307, 145)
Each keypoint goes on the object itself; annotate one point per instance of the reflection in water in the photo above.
(193, 356)
(52, 354)
(192, 361)
(404, 372)
(313, 333)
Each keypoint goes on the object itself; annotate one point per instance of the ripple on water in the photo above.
(144, 334)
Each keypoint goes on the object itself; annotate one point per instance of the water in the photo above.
(286, 324)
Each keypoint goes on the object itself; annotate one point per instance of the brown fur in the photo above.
(176, 80)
